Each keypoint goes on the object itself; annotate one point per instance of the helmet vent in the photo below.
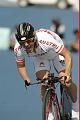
(21, 29)
(28, 28)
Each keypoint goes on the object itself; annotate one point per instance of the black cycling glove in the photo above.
(26, 83)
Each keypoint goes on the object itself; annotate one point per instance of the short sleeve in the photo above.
(58, 44)
(19, 54)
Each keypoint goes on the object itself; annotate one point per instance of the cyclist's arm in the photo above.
(20, 61)
(22, 71)
(65, 53)
(68, 60)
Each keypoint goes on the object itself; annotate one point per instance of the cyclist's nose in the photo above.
(26, 44)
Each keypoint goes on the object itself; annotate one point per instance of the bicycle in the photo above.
(51, 99)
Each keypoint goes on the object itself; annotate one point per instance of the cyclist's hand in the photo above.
(62, 76)
(27, 83)
(68, 80)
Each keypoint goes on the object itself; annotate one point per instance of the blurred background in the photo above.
(60, 16)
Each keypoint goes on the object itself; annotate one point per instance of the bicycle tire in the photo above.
(49, 97)
(66, 110)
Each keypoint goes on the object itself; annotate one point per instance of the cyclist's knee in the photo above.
(42, 74)
(72, 88)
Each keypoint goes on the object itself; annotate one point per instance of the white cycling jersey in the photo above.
(50, 44)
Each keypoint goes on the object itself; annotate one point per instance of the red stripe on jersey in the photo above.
(61, 49)
(20, 60)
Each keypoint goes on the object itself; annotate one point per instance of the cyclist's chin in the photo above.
(29, 50)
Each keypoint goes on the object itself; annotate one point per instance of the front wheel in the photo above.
(50, 109)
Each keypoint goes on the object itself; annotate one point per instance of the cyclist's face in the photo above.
(29, 45)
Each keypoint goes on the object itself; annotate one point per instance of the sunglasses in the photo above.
(30, 40)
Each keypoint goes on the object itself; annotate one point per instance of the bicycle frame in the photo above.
(61, 105)
(58, 107)
(52, 88)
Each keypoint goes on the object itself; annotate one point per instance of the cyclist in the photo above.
(45, 46)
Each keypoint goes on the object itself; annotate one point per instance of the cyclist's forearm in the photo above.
(68, 63)
(23, 73)
(22, 70)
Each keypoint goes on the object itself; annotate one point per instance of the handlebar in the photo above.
(48, 80)
(55, 79)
